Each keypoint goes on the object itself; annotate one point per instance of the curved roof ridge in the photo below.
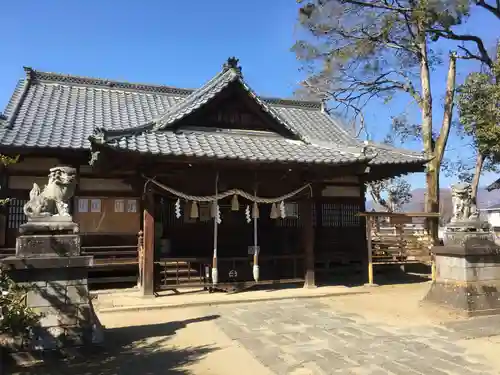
(150, 87)
(103, 82)
(405, 152)
(196, 99)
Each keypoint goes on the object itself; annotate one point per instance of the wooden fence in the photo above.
(395, 238)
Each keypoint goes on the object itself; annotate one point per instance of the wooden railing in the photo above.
(400, 243)
(392, 239)
(112, 264)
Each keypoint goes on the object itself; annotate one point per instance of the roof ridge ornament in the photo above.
(30, 73)
(232, 63)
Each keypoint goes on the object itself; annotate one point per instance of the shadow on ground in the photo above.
(384, 274)
(132, 350)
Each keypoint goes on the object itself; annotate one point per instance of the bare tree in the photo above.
(357, 51)
(391, 194)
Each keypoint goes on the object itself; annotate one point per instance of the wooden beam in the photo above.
(149, 242)
(306, 216)
(399, 214)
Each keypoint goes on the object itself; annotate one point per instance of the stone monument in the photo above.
(49, 262)
(467, 277)
(465, 221)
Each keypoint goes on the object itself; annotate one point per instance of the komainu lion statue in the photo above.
(464, 207)
(52, 200)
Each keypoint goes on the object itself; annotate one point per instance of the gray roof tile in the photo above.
(242, 145)
(61, 111)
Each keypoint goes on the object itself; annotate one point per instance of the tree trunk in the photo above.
(432, 200)
(432, 173)
(377, 198)
(477, 175)
(438, 152)
(442, 140)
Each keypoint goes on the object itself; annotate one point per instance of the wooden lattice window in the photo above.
(330, 215)
(16, 214)
(340, 214)
(292, 219)
(350, 217)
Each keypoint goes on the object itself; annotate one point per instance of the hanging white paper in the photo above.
(131, 205)
(95, 205)
(83, 205)
(119, 205)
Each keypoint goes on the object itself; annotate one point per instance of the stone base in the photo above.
(469, 299)
(47, 262)
(467, 277)
(36, 245)
(49, 225)
(457, 232)
(61, 295)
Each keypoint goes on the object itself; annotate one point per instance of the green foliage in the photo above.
(479, 110)
(4, 162)
(15, 316)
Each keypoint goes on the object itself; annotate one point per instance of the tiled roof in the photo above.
(237, 145)
(49, 110)
(494, 186)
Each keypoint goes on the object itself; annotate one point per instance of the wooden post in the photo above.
(149, 242)
(215, 271)
(306, 215)
(369, 248)
(140, 256)
(255, 269)
(433, 267)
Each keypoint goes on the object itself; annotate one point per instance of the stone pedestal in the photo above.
(52, 267)
(467, 277)
(456, 232)
(49, 225)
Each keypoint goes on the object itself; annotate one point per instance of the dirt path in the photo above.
(173, 342)
(398, 305)
(198, 341)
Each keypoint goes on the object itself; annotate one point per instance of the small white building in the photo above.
(493, 216)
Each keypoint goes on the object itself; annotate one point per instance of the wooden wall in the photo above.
(340, 233)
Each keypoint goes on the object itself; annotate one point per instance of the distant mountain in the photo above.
(485, 199)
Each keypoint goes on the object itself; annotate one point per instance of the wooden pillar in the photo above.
(147, 288)
(140, 256)
(368, 220)
(433, 267)
(306, 215)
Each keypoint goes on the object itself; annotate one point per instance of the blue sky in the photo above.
(182, 44)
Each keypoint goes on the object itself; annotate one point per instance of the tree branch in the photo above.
(483, 53)
(377, 5)
(492, 9)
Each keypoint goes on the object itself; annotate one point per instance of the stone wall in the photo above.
(61, 295)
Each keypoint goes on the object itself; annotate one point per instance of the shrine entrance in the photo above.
(204, 241)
